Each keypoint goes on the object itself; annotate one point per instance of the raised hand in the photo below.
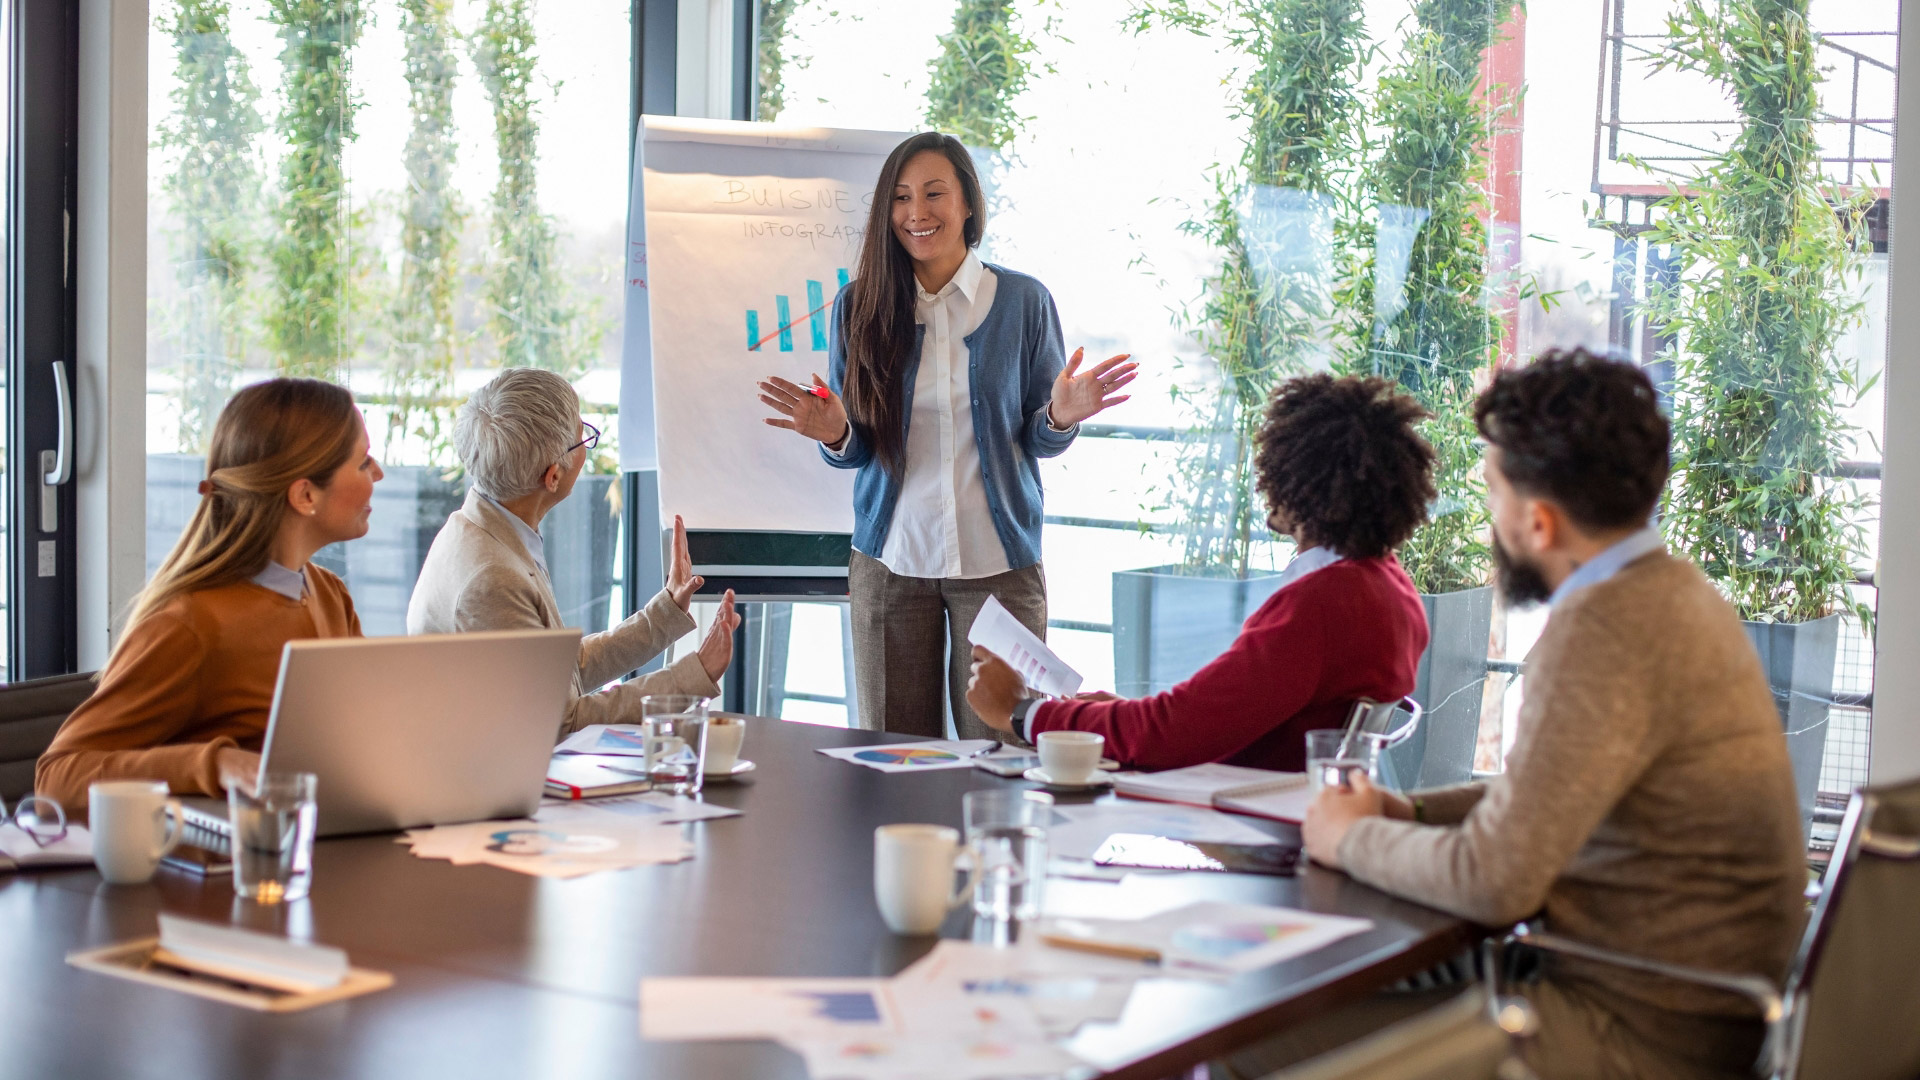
(682, 583)
(716, 650)
(803, 409)
(993, 689)
(1076, 397)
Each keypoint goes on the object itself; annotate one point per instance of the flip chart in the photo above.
(740, 236)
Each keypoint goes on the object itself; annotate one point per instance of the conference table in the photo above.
(501, 974)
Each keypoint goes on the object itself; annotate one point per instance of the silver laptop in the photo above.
(411, 731)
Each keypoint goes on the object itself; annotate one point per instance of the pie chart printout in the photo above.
(907, 755)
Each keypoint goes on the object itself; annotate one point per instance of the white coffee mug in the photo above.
(724, 735)
(1070, 757)
(134, 824)
(913, 872)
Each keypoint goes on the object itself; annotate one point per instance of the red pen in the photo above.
(820, 392)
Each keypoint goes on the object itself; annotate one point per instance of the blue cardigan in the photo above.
(1012, 360)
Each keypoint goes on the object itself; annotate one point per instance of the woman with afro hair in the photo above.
(1347, 477)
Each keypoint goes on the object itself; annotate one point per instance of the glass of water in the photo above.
(676, 741)
(1329, 765)
(273, 821)
(1007, 834)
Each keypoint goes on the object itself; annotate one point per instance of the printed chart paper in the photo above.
(1220, 936)
(741, 236)
(916, 756)
(683, 1009)
(615, 740)
(1088, 825)
(1001, 634)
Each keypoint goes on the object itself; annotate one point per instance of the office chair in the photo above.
(1849, 1004)
(30, 712)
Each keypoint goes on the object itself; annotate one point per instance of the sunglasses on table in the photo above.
(42, 819)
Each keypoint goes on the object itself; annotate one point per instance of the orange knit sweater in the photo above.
(192, 678)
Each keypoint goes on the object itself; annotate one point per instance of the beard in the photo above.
(1520, 583)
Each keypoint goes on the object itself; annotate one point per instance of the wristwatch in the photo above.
(1022, 716)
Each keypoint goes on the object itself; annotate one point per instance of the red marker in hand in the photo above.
(820, 392)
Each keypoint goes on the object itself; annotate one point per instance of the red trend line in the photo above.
(790, 325)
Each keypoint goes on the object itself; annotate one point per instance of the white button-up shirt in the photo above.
(942, 527)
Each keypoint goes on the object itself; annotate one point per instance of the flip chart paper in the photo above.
(741, 234)
(1001, 634)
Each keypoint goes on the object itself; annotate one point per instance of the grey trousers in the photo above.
(910, 643)
(1578, 1039)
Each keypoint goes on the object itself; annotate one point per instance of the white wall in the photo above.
(1896, 682)
(110, 241)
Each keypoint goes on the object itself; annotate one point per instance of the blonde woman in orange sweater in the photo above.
(186, 692)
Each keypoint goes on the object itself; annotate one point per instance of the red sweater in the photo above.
(1348, 630)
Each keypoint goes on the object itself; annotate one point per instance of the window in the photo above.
(1451, 223)
(455, 203)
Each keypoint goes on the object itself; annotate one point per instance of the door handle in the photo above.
(57, 465)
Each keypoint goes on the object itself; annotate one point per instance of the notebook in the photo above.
(592, 776)
(1259, 792)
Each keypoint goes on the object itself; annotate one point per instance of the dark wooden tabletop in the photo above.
(499, 974)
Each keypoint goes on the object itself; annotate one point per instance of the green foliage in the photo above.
(421, 373)
(533, 314)
(772, 51)
(1436, 332)
(1264, 316)
(982, 67)
(213, 189)
(1764, 299)
(312, 260)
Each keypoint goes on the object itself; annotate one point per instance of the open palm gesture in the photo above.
(1078, 396)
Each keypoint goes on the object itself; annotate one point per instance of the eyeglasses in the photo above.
(40, 818)
(592, 440)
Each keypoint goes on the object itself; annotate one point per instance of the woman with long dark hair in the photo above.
(947, 382)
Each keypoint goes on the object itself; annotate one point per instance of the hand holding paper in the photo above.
(997, 631)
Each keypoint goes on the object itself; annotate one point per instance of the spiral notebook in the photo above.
(1282, 796)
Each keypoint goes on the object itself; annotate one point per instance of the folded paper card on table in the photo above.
(1260, 792)
(996, 630)
(914, 756)
(239, 967)
(20, 851)
(1210, 935)
(594, 776)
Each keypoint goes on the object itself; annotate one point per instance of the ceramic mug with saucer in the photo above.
(1069, 758)
(724, 736)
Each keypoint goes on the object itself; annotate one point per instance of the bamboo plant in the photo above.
(1416, 294)
(213, 189)
(420, 375)
(981, 69)
(312, 257)
(1764, 299)
(533, 314)
(770, 46)
(1265, 315)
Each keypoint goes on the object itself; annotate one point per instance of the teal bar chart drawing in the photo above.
(783, 322)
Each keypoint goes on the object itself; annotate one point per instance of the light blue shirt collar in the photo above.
(291, 584)
(529, 536)
(1608, 563)
(1306, 563)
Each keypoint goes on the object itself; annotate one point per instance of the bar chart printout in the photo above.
(760, 332)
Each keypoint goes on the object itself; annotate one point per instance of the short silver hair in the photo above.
(513, 428)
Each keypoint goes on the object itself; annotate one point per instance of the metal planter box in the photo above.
(1798, 659)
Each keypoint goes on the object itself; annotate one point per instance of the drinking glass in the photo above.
(1329, 764)
(676, 741)
(273, 820)
(1007, 833)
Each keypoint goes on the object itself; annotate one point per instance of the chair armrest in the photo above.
(1772, 1005)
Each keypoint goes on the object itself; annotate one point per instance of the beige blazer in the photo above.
(479, 576)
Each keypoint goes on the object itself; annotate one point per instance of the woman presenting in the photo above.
(946, 386)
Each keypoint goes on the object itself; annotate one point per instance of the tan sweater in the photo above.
(190, 679)
(1647, 807)
(479, 576)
